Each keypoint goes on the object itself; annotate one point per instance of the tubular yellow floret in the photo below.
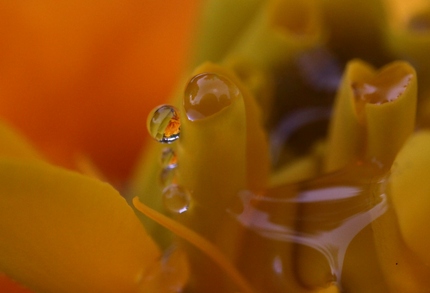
(374, 114)
(234, 136)
(280, 31)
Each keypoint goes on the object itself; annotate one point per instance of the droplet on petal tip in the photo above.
(207, 94)
(163, 124)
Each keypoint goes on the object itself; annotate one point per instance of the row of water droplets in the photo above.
(205, 95)
(164, 126)
(333, 195)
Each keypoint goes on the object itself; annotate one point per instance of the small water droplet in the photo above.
(166, 175)
(163, 124)
(168, 158)
(176, 198)
(207, 94)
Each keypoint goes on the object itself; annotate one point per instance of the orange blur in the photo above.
(79, 77)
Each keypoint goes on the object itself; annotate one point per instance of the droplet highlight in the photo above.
(163, 124)
(176, 198)
(207, 94)
(167, 175)
(168, 158)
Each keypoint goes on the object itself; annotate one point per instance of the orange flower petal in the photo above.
(81, 76)
(9, 286)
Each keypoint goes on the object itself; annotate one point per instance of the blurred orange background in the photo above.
(79, 77)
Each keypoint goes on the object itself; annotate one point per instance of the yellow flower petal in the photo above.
(408, 34)
(410, 190)
(280, 31)
(199, 242)
(374, 114)
(233, 136)
(13, 144)
(401, 234)
(221, 22)
(63, 232)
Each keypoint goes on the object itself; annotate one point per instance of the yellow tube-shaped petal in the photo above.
(282, 29)
(64, 232)
(259, 82)
(374, 114)
(225, 151)
(221, 22)
(222, 150)
(408, 33)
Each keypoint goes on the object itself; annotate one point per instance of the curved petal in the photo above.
(401, 234)
(64, 232)
(233, 136)
(13, 144)
(374, 114)
(79, 77)
(278, 32)
(410, 191)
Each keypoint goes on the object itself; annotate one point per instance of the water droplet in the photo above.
(166, 175)
(168, 158)
(176, 198)
(163, 124)
(207, 94)
(385, 87)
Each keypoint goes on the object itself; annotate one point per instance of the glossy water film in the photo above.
(176, 199)
(207, 94)
(319, 219)
(163, 124)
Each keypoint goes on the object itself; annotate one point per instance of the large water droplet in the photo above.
(176, 198)
(207, 94)
(163, 124)
(168, 158)
(166, 175)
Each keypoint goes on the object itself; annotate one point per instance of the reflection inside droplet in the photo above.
(167, 175)
(176, 198)
(207, 94)
(168, 158)
(163, 124)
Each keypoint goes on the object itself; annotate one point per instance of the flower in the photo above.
(79, 78)
(73, 74)
(296, 158)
